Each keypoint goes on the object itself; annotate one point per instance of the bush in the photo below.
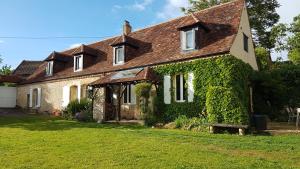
(195, 123)
(223, 106)
(275, 89)
(78, 109)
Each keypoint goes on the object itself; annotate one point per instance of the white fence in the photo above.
(8, 97)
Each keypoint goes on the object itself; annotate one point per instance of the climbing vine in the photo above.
(224, 71)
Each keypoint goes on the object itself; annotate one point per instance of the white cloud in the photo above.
(172, 9)
(137, 6)
(75, 45)
(141, 6)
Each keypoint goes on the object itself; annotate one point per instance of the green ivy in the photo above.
(224, 71)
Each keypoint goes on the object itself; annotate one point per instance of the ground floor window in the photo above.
(180, 88)
(127, 94)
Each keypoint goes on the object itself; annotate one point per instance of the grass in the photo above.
(42, 142)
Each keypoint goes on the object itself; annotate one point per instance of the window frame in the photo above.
(184, 40)
(80, 63)
(127, 99)
(182, 88)
(49, 68)
(246, 42)
(116, 56)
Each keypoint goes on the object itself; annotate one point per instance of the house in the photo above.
(112, 67)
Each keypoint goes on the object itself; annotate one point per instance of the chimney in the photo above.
(126, 28)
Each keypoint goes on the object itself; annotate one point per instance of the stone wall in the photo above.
(98, 104)
(51, 92)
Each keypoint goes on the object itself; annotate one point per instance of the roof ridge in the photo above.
(151, 26)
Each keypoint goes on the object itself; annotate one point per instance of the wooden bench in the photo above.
(242, 128)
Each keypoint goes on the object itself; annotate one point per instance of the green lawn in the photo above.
(40, 142)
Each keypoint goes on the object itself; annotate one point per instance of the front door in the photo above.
(110, 107)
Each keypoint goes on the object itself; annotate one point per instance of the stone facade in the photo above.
(52, 92)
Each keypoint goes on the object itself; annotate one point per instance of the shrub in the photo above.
(82, 107)
(195, 123)
(223, 106)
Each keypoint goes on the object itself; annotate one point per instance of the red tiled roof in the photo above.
(26, 68)
(10, 79)
(160, 44)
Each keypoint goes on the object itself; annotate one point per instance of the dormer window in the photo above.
(49, 68)
(78, 63)
(119, 55)
(188, 39)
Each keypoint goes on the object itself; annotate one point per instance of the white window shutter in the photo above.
(133, 96)
(183, 40)
(39, 97)
(66, 96)
(167, 88)
(30, 97)
(191, 87)
(79, 92)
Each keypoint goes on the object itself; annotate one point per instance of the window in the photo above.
(127, 94)
(246, 44)
(49, 68)
(119, 55)
(78, 63)
(180, 88)
(188, 39)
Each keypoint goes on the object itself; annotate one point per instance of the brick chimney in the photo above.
(127, 28)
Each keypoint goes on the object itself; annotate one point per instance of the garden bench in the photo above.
(242, 128)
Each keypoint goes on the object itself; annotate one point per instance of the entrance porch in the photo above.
(114, 97)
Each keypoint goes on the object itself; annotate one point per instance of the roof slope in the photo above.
(26, 68)
(161, 43)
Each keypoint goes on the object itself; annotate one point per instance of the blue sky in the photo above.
(92, 18)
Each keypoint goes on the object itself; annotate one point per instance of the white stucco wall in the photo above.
(237, 48)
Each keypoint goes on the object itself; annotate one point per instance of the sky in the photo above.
(95, 19)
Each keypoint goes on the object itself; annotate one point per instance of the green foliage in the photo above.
(5, 70)
(84, 106)
(263, 58)
(195, 123)
(223, 106)
(143, 90)
(294, 56)
(275, 89)
(225, 71)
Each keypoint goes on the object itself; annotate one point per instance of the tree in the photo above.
(263, 58)
(5, 70)
(293, 44)
(262, 15)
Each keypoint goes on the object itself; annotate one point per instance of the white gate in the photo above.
(8, 97)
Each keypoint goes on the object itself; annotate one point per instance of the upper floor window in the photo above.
(78, 63)
(119, 55)
(188, 39)
(246, 42)
(49, 68)
(180, 88)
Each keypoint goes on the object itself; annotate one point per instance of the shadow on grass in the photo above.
(46, 123)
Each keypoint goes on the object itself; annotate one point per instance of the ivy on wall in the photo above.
(223, 71)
